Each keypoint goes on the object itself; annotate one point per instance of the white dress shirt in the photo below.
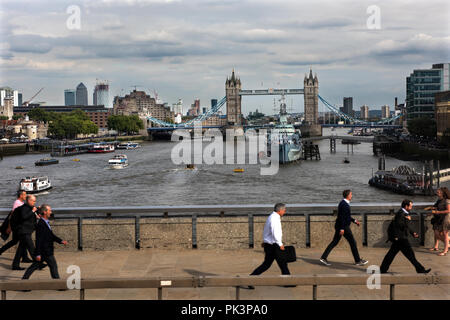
(272, 230)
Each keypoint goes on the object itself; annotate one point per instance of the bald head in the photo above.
(31, 200)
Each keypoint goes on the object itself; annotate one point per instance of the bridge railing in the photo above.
(250, 211)
(160, 283)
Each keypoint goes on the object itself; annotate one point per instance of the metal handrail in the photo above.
(227, 281)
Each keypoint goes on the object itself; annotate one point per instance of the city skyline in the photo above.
(189, 48)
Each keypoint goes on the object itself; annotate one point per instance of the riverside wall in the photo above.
(217, 232)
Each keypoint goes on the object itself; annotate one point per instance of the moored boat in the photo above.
(46, 162)
(128, 145)
(35, 184)
(101, 148)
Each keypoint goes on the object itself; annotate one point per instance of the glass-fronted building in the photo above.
(69, 97)
(421, 87)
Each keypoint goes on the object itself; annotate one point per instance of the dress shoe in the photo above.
(26, 260)
(18, 268)
(290, 286)
(425, 271)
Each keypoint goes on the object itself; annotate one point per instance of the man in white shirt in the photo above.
(273, 246)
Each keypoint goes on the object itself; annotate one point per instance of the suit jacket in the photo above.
(45, 239)
(344, 217)
(401, 226)
(27, 220)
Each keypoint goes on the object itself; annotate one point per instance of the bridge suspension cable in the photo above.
(341, 114)
(201, 117)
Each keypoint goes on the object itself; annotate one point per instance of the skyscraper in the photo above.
(69, 97)
(421, 86)
(101, 94)
(385, 113)
(81, 97)
(364, 112)
(348, 106)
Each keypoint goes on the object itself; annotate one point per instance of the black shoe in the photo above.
(325, 262)
(42, 266)
(425, 271)
(25, 290)
(248, 287)
(26, 260)
(361, 262)
(18, 268)
(290, 286)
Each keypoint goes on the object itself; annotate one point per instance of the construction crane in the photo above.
(26, 103)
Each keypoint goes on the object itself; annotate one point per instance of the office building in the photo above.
(81, 96)
(421, 87)
(7, 92)
(69, 97)
(348, 106)
(364, 114)
(442, 110)
(101, 94)
(385, 113)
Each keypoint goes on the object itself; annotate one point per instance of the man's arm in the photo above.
(39, 240)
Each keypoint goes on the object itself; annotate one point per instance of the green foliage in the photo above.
(128, 124)
(17, 117)
(422, 127)
(39, 114)
(4, 118)
(69, 125)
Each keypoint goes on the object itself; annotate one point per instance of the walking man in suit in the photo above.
(21, 198)
(399, 238)
(24, 223)
(272, 244)
(342, 227)
(44, 245)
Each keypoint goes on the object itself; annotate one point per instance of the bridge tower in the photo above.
(232, 88)
(311, 92)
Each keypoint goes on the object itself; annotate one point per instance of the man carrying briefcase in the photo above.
(272, 244)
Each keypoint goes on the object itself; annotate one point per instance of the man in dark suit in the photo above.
(21, 198)
(24, 227)
(399, 238)
(44, 245)
(342, 227)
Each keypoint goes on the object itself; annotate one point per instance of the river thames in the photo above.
(153, 179)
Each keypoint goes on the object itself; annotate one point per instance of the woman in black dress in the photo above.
(441, 219)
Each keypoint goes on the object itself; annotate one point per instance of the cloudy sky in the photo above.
(186, 48)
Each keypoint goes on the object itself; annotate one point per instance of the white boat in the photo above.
(118, 162)
(101, 148)
(35, 184)
(129, 145)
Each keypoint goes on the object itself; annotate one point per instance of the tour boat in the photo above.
(403, 180)
(128, 145)
(118, 162)
(46, 162)
(35, 184)
(101, 148)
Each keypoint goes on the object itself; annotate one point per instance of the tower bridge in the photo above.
(233, 102)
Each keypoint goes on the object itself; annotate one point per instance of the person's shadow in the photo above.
(198, 273)
(334, 265)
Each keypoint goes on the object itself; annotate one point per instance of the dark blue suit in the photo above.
(343, 221)
(44, 248)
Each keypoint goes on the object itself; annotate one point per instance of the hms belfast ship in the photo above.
(289, 138)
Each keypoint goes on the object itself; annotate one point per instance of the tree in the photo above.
(422, 127)
(39, 114)
(128, 124)
(17, 117)
(68, 125)
(4, 118)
